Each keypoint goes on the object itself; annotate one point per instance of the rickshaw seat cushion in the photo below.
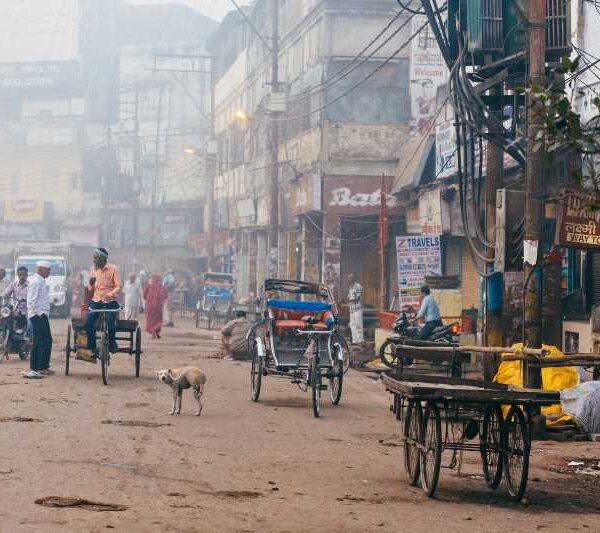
(296, 305)
(282, 325)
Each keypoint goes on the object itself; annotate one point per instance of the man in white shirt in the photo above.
(355, 304)
(38, 311)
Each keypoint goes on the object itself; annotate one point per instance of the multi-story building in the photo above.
(337, 122)
(148, 90)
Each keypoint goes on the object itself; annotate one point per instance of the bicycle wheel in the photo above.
(387, 353)
(68, 351)
(431, 454)
(104, 358)
(490, 445)
(516, 456)
(315, 381)
(256, 372)
(138, 351)
(413, 420)
(212, 318)
(336, 382)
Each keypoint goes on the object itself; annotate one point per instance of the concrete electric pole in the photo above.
(534, 206)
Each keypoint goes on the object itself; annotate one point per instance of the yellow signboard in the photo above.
(23, 210)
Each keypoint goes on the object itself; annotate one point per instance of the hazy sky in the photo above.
(211, 8)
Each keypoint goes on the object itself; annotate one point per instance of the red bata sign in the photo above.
(579, 223)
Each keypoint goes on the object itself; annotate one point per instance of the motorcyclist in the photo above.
(429, 313)
(17, 290)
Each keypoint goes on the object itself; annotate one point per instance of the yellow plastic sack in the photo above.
(511, 373)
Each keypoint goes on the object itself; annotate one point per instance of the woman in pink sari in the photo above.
(154, 296)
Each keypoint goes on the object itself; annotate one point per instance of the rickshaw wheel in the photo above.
(412, 429)
(516, 456)
(431, 454)
(337, 381)
(256, 373)
(104, 359)
(212, 318)
(138, 351)
(68, 351)
(490, 445)
(387, 354)
(197, 318)
(315, 381)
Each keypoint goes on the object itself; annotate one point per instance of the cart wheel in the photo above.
(256, 372)
(431, 454)
(68, 350)
(337, 381)
(490, 445)
(212, 318)
(138, 351)
(315, 381)
(516, 454)
(104, 359)
(413, 420)
(387, 354)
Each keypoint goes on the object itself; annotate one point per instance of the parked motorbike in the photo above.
(405, 329)
(14, 336)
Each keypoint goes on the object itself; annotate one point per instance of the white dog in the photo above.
(183, 378)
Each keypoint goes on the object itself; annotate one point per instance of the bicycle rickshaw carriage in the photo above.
(297, 339)
(217, 300)
(128, 336)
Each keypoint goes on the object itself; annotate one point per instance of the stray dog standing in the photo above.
(183, 378)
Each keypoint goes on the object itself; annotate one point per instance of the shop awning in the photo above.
(412, 162)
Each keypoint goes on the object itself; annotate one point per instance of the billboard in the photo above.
(418, 256)
(428, 71)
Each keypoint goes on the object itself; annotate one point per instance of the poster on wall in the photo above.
(418, 257)
(427, 72)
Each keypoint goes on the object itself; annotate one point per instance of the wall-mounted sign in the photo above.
(430, 212)
(23, 210)
(579, 221)
(356, 194)
(40, 75)
(418, 257)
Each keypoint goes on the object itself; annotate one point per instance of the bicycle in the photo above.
(104, 351)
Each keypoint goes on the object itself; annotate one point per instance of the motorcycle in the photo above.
(405, 329)
(14, 336)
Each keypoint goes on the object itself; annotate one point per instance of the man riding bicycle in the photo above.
(106, 285)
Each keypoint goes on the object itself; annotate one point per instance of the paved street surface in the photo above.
(243, 466)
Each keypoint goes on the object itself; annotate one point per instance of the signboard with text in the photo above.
(418, 257)
(579, 222)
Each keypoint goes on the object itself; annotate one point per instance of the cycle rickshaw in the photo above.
(297, 340)
(217, 300)
(128, 336)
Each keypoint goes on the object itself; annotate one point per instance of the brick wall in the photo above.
(469, 280)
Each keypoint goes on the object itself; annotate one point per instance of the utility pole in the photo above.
(136, 176)
(274, 138)
(493, 181)
(211, 172)
(534, 207)
(156, 171)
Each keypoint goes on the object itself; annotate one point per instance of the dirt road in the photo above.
(242, 466)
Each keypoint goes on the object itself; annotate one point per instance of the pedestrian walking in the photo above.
(170, 285)
(38, 311)
(4, 281)
(155, 296)
(355, 303)
(133, 297)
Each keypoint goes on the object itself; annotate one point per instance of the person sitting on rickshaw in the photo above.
(105, 285)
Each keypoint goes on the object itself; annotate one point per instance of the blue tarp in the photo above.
(296, 305)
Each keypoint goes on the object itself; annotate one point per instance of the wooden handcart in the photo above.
(443, 416)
